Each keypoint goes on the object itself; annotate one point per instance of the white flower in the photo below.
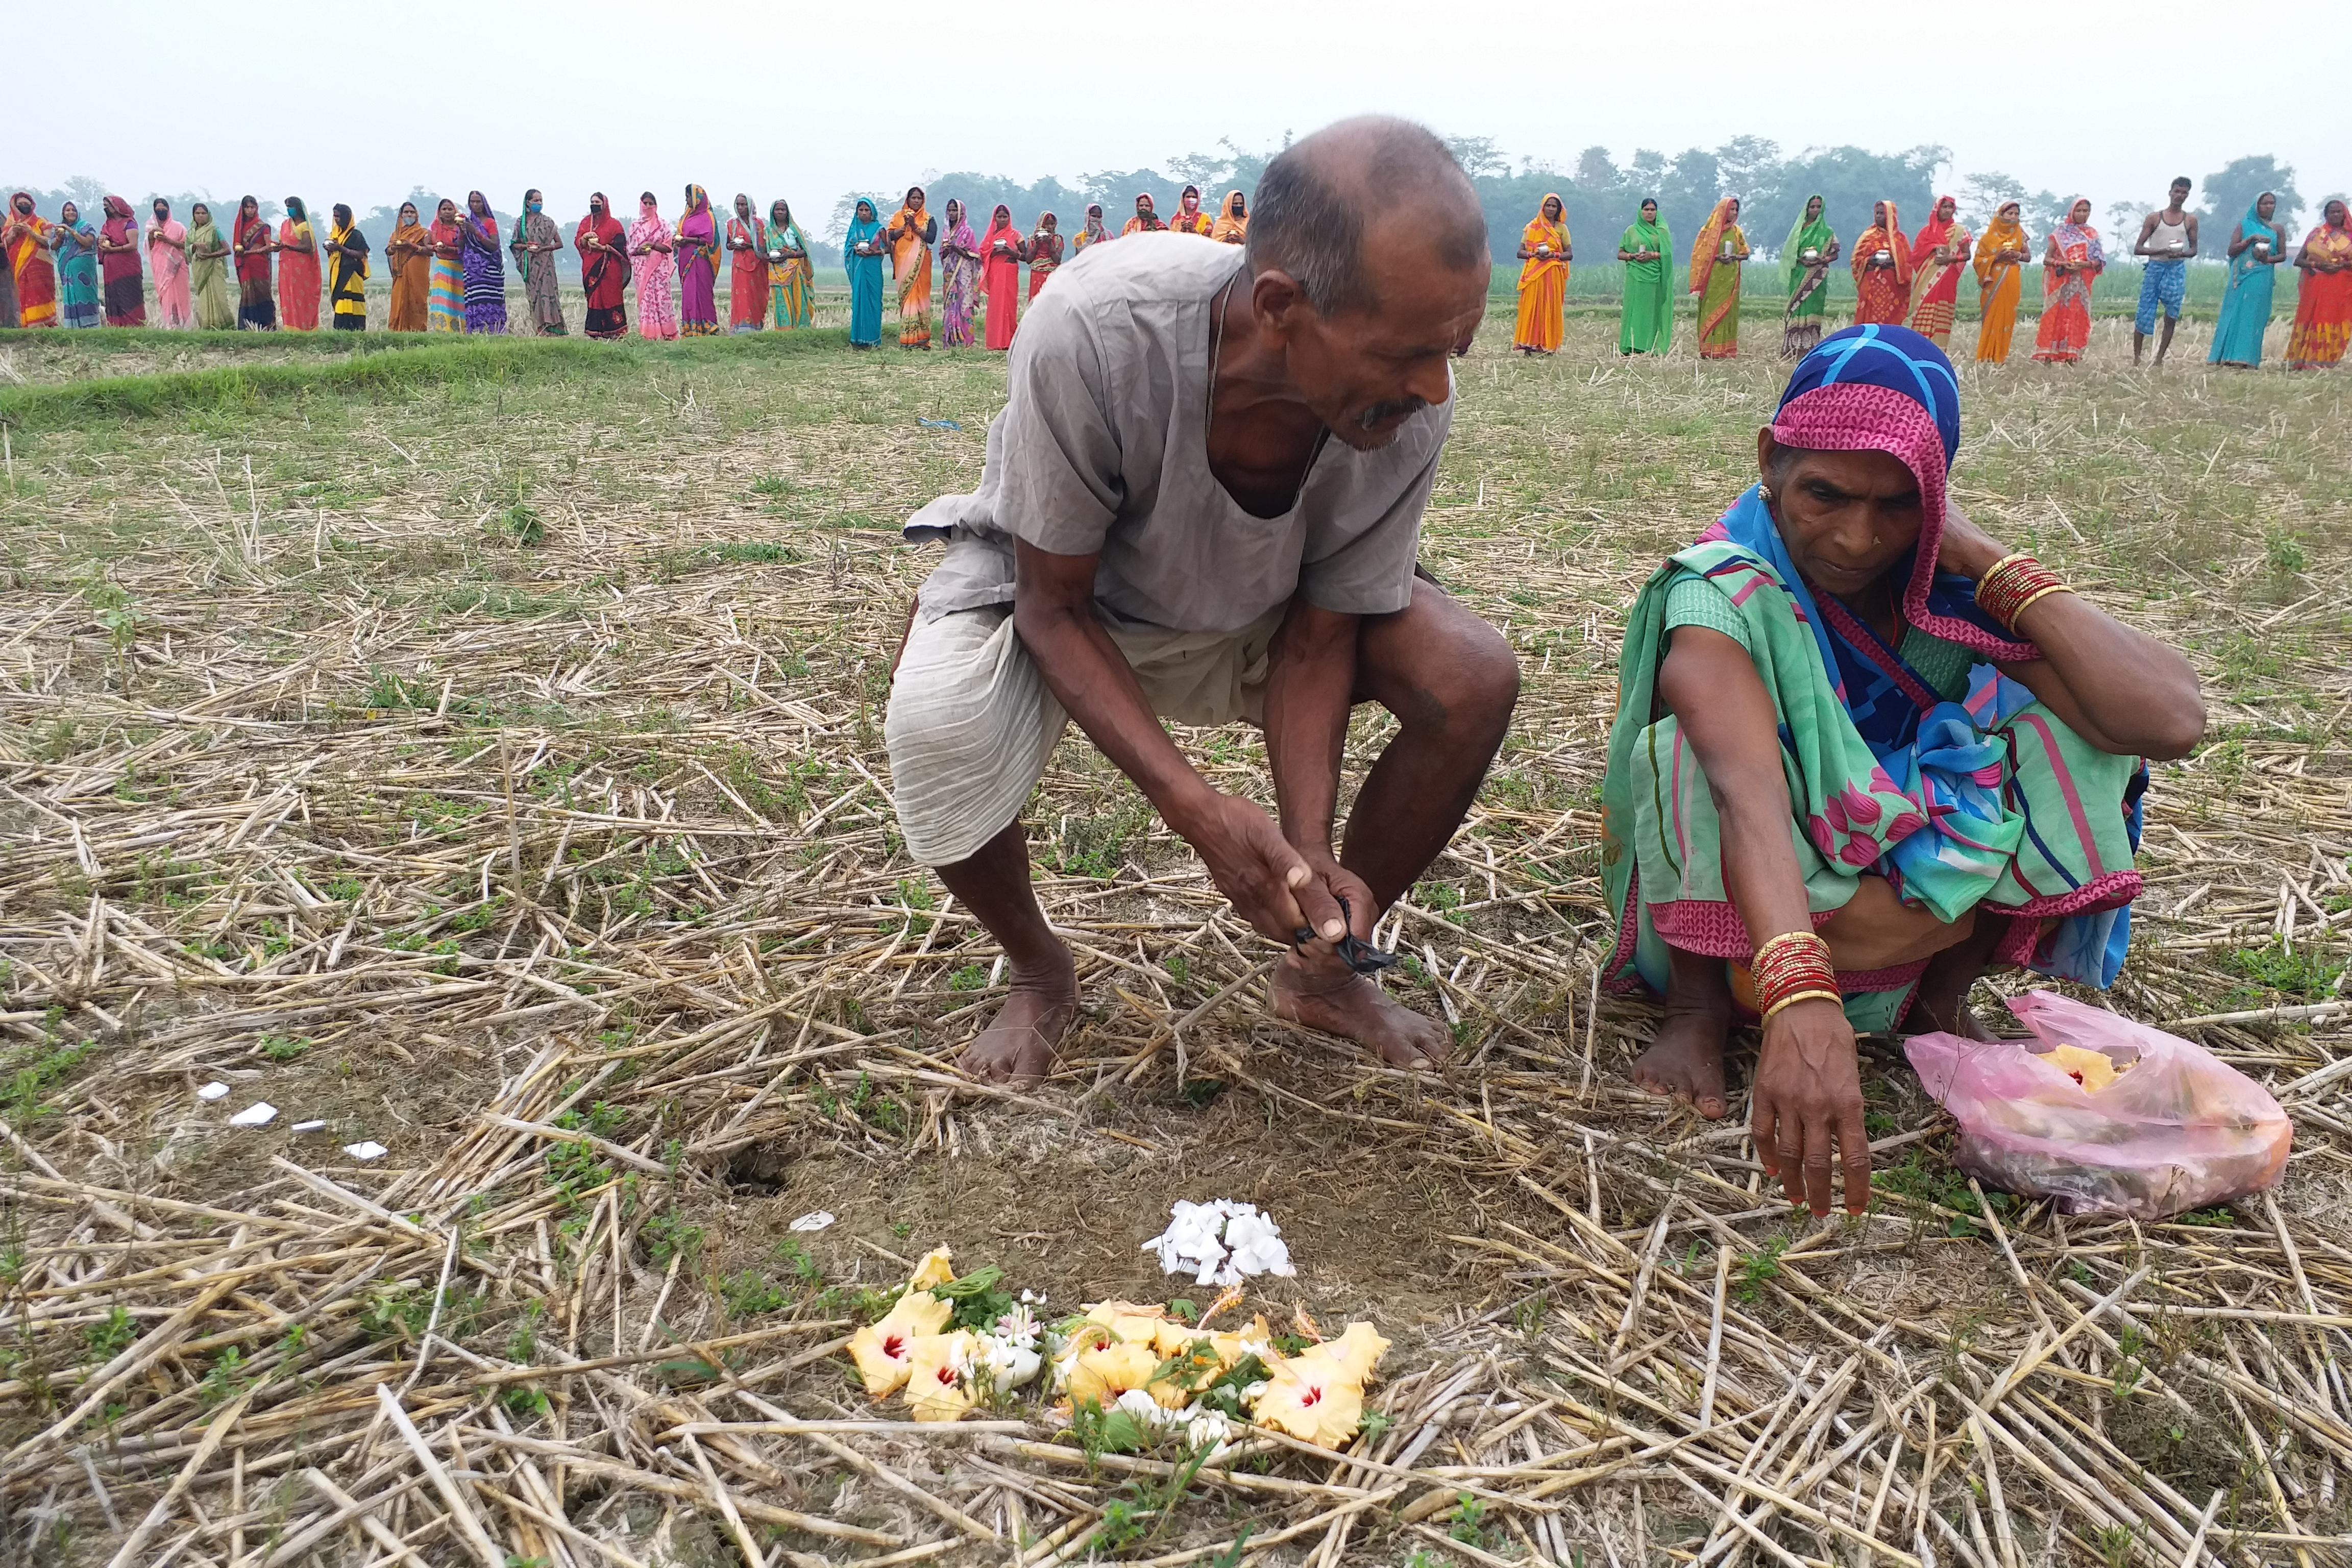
(1147, 1410)
(1219, 1243)
(1207, 1429)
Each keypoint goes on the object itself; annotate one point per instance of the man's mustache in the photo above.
(1380, 413)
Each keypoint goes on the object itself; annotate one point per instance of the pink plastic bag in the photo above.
(2178, 1131)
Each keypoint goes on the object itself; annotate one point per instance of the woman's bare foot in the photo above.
(1018, 1042)
(1323, 993)
(1685, 1063)
(1943, 999)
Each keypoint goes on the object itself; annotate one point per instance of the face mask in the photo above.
(532, 206)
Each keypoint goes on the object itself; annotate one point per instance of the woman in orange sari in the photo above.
(908, 238)
(2322, 298)
(2072, 259)
(1938, 256)
(1882, 270)
(298, 269)
(2000, 259)
(1715, 261)
(1543, 281)
(1232, 227)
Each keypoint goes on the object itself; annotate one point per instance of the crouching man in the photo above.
(1203, 501)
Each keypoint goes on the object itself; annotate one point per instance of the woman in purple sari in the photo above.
(960, 268)
(484, 260)
(697, 267)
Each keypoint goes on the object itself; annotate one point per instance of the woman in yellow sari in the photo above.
(2000, 258)
(909, 236)
(1232, 227)
(1715, 261)
(1543, 281)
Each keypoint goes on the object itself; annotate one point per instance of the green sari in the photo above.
(2046, 843)
(1809, 293)
(1647, 323)
(208, 278)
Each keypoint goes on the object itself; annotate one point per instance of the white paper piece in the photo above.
(369, 1151)
(1221, 1242)
(307, 1127)
(213, 1091)
(817, 1220)
(260, 1114)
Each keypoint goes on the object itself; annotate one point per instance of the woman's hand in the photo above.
(1966, 548)
(1807, 1097)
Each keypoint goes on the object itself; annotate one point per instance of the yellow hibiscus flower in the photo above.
(1356, 1353)
(1105, 1372)
(882, 1349)
(937, 1385)
(1313, 1397)
(937, 1268)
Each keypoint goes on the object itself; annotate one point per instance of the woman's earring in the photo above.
(1766, 491)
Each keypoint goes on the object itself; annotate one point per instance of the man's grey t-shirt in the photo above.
(1102, 446)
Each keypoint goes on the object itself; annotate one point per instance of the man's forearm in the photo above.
(1311, 676)
(1092, 679)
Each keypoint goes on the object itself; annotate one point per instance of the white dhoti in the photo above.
(972, 722)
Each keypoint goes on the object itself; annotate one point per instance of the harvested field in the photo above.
(476, 749)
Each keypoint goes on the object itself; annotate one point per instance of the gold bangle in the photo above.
(1785, 1002)
(1784, 939)
(2004, 565)
(2036, 598)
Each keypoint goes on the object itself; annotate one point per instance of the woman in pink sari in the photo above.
(167, 254)
(649, 254)
(1000, 251)
(297, 270)
(121, 285)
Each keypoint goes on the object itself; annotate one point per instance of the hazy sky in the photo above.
(807, 100)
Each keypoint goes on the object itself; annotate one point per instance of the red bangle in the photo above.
(1792, 967)
(2014, 582)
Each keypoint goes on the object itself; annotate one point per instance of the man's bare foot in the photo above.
(1324, 994)
(1687, 1062)
(1018, 1044)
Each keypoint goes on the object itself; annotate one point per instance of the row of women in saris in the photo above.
(980, 272)
(68, 273)
(1913, 281)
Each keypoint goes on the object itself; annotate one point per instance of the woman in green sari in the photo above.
(1812, 246)
(208, 272)
(791, 275)
(1716, 257)
(1647, 323)
(1863, 754)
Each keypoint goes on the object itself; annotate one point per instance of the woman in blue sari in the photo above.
(77, 249)
(861, 257)
(2256, 249)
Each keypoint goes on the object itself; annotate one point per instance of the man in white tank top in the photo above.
(2166, 240)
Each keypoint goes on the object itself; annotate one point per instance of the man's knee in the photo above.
(1463, 677)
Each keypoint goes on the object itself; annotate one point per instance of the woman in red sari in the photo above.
(251, 245)
(25, 237)
(1939, 256)
(604, 246)
(747, 275)
(1042, 251)
(125, 296)
(1882, 270)
(2322, 298)
(2070, 263)
(1000, 272)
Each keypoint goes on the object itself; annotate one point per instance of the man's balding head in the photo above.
(1364, 316)
(1313, 203)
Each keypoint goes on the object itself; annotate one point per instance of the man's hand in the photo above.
(1257, 868)
(1808, 1095)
